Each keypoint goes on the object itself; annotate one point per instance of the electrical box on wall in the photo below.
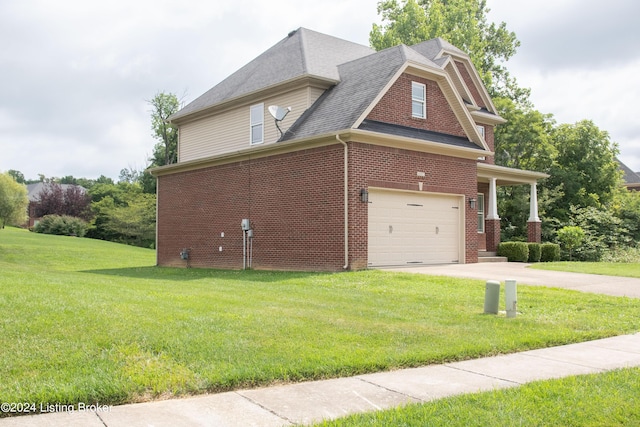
(245, 224)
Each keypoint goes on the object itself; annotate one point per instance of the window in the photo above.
(481, 130)
(257, 124)
(480, 213)
(418, 100)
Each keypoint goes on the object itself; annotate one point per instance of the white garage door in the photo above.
(413, 228)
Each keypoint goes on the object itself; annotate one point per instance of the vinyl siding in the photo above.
(228, 131)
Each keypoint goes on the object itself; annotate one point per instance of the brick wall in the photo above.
(294, 202)
(395, 107)
(376, 166)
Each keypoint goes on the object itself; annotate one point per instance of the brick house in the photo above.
(386, 159)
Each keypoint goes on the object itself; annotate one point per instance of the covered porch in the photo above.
(490, 177)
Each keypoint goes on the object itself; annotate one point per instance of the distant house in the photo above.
(33, 193)
(386, 159)
(631, 179)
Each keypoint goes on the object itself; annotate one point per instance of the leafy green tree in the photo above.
(17, 175)
(123, 213)
(13, 201)
(523, 143)
(462, 23)
(163, 105)
(570, 237)
(585, 168)
(626, 207)
(135, 223)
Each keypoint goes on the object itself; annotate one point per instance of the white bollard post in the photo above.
(492, 297)
(511, 298)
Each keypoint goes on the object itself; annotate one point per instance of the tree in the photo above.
(462, 23)
(17, 175)
(523, 143)
(135, 222)
(53, 199)
(129, 175)
(13, 201)
(123, 213)
(585, 168)
(570, 237)
(163, 105)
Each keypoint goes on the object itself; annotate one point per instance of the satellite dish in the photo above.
(278, 113)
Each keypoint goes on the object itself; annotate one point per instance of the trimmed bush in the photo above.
(549, 252)
(535, 251)
(61, 225)
(514, 251)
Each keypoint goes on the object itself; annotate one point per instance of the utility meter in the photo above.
(245, 224)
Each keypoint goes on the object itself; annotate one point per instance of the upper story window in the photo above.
(480, 130)
(418, 100)
(257, 124)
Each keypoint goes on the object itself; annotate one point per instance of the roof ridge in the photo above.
(303, 48)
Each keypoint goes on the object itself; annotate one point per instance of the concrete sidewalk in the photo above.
(304, 403)
(501, 271)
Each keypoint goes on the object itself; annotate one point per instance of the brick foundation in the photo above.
(534, 231)
(492, 231)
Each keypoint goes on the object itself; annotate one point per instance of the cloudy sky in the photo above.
(77, 74)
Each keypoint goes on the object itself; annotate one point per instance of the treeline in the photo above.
(99, 208)
(123, 211)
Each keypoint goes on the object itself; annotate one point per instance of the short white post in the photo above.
(511, 297)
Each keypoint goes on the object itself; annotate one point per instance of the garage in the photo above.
(413, 228)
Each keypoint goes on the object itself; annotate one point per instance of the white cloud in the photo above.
(76, 74)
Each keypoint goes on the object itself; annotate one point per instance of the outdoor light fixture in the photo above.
(364, 195)
(472, 203)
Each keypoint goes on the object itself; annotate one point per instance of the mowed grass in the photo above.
(608, 399)
(95, 322)
(605, 268)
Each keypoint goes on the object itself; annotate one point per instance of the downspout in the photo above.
(346, 202)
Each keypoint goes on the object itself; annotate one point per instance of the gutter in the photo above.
(346, 202)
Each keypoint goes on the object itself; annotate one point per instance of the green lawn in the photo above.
(91, 321)
(609, 399)
(606, 268)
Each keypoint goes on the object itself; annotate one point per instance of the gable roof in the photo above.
(356, 77)
(631, 178)
(302, 53)
(341, 106)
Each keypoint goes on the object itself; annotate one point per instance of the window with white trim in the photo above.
(418, 100)
(257, 124)
(481, 130)
(480, 213)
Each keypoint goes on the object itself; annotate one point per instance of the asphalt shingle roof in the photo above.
(630, 177)
(302, 52)
(427, 135)
(358, 72)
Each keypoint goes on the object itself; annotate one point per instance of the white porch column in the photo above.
(492, 208)
(533, 204)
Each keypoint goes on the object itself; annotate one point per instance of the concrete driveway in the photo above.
(501, 271)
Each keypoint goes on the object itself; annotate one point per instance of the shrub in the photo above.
(571, 237)
(514, 251)
(61, 225)
(535, 252)
(549, 252)
(622, 254)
